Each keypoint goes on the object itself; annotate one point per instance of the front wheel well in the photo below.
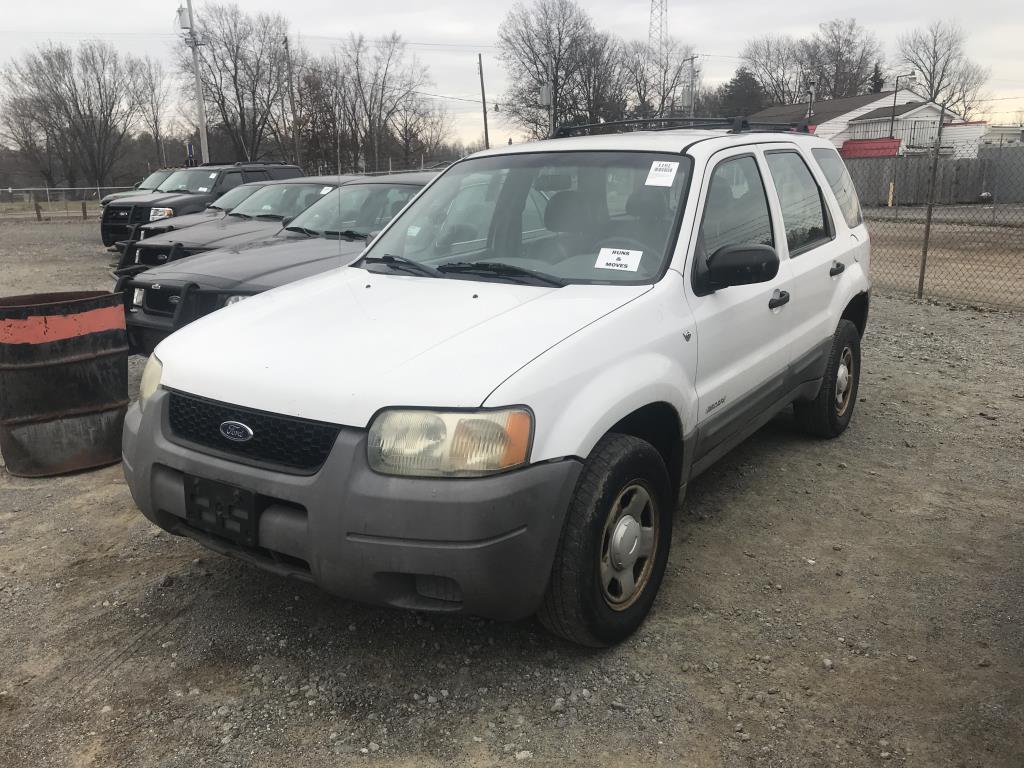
(659, 425)
(857, 312)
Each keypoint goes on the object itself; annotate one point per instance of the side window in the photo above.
(838, 177)
(533, 212)
(256, 175)
(230, 180)
(735, 212)
(803, 207)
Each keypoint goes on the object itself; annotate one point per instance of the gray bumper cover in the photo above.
(477, 545)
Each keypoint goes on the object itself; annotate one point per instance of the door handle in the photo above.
(837, 268)
(778, 299)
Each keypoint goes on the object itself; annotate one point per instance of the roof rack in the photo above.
(730, 124)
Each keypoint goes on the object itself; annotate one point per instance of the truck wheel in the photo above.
(614, 547)
(829, 413)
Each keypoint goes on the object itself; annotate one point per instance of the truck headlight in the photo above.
(150, 379)
(449, 444)
(155, 214)
(138, 297)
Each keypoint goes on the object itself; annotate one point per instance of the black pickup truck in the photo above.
(187, 190)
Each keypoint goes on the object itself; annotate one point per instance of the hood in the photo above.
(180, 222)
(164, 199)
(126, 193)
(225, 231)
(258, 267)
(340, 346)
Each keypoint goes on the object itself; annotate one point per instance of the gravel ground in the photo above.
(849, 603)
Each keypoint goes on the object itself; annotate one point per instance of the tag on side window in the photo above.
(662, 173)
(325, 190)
(618, 259)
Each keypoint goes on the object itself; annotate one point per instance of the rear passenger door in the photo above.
(743, 352)
(808, 237)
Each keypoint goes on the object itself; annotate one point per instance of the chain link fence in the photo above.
(947, 220)
(42, 203)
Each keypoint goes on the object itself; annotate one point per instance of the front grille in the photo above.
(163, 301)
(152, 256)
(284, 441)
(117, 213)
(140, 214)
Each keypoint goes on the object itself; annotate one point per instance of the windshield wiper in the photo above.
(240, 215)
(500, 269)
(401, 263)
(304, 230)
(270, 216)
(351, 234)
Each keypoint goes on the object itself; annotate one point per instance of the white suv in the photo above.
(497, 408)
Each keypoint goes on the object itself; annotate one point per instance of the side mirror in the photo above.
(286, 221)
(741, 264)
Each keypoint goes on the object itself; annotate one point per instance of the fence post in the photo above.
(995, 180)
(84, 215)
(39, 211)
(931, 204)
(895, 184)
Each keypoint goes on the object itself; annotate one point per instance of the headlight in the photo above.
(160, 213)
(456, 444)
(138, 297)
(150, 379)
(233, 300)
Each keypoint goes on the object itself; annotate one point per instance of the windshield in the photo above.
(153, 180)
(194, 180)
(578, 217)
(232, 198)
(355, 209)
(280, 200)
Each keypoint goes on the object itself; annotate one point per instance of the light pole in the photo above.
(811, 84)
(186, 20)
(911, 78)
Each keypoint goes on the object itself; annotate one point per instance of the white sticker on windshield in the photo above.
(213, 175)
(618, 259)
(204, 189)
(413, 231)
(325, 190)
(662, 174)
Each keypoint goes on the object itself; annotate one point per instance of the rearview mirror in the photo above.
(741, 264)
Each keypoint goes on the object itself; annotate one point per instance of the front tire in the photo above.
(828, 414)
(614, 547)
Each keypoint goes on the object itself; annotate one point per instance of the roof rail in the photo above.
(730, 124)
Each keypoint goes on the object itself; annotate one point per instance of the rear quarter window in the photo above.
(838, 178)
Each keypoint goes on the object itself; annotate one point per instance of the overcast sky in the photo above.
(447, 34)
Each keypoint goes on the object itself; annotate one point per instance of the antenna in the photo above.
(657, 34)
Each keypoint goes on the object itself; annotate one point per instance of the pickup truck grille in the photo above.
(125, 214)
(284, 441)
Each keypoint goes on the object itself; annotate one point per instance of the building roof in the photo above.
(823, 110)
(902, 109)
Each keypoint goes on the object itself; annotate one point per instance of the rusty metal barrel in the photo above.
(63, 381)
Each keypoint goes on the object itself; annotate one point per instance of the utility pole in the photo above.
(693, 84)
(192, 40)
(483, 98)
(291, 102)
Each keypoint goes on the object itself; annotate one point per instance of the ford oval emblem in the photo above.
(236, 431)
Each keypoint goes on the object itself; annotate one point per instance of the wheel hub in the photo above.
(624, 543)
(842, 382)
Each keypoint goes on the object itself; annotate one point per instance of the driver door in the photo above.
(742, 331)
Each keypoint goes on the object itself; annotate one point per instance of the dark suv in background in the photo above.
(148, 184)
(187, 190)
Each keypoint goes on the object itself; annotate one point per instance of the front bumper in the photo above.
(482, 546)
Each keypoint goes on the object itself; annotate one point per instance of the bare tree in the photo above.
(776, 63)
(155, 91)
(840, 58)
(242, 62)
(82, 104)
(599, 91)
(542, 43)
(944, 73)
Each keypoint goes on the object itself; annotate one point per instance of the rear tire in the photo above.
(614, 546)
(828, 414)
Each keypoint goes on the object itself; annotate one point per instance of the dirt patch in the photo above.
(851, 603)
